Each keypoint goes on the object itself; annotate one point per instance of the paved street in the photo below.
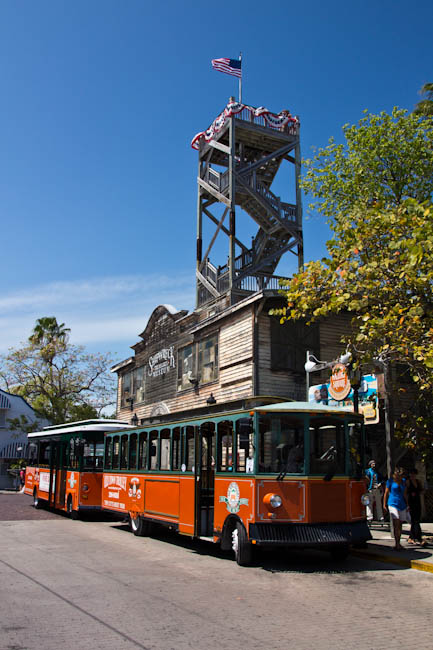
(92, 584)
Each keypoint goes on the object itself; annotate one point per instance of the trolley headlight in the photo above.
(85, 487)
(366, 499)
(273, 500)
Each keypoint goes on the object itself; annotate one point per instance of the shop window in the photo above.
(185, 367)
(138, 384)
(198, 363)
(208, 359)
(126, 389)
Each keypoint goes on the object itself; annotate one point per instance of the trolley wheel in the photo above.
(242, 548)
(70, 510)
(139, 526)
(340, 553)
(36, 500)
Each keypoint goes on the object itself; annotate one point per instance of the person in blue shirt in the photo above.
(374, 481)
(395, 501)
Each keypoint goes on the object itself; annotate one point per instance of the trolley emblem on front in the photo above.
(233, 500)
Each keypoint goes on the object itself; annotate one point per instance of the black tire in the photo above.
(139, 526)
(36, 500)
(70, 510)
(242, 548)
(340, 553)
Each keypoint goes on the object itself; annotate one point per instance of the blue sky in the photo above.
(100, 101)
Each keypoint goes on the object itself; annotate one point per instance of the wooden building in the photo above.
(229, 348)
(216, 356)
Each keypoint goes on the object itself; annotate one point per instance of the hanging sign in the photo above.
(368, 400)
(339, 384)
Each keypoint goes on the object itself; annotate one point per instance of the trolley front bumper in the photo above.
(309, 535)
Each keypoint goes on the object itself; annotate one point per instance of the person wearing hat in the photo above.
(374, 481)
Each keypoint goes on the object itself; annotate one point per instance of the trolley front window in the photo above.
(327, 446)
(281, 444)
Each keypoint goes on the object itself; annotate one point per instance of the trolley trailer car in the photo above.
(286, 474)
(66, 465)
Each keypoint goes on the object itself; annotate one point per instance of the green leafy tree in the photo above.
(376, 191)
(60, 380)
(380, 270)
(425, 106)
(385, 158)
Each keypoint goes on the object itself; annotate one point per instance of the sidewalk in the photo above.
(381, 548)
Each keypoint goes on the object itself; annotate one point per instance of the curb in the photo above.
(419, 565)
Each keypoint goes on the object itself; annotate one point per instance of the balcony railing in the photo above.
(220, 279)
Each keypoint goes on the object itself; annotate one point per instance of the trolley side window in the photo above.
(153, 449)
(44, 453)
(108, 452)
(165, 444)
(142, 451)
(356, 449)
(176, 454)
(189, 448)
(132, 464)
(116, 452)
(225, 446)
(245, 445)
(124, 451)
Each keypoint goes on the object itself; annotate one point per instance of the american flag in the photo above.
(229, 66)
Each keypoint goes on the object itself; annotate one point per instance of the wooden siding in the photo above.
(274, 382)
(235, 361)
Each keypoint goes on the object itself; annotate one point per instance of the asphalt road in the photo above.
(91, 584)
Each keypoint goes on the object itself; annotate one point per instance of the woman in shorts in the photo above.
(395, 501)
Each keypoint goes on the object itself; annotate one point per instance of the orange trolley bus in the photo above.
(287, 474)
(66, 463)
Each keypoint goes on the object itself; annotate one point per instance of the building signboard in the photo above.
(161, 362)
(367, 394)
(339, 384)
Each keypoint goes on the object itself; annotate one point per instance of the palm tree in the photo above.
(47, 330)
(425, 106)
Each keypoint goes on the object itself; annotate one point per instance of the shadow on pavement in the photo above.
(270, 560)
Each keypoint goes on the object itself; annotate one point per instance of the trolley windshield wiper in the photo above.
(283, 472)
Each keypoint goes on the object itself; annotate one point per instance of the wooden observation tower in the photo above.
(239, 157)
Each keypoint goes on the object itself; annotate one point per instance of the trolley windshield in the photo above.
(304, 443)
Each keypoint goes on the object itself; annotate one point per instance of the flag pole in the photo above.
(240, 80)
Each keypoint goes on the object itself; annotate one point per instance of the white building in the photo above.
(13, 442)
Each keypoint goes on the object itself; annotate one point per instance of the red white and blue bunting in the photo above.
(274, 121)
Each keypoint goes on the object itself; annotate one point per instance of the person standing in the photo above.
(22, 478)
(414, 493)
(374, 481)
(394, 500)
